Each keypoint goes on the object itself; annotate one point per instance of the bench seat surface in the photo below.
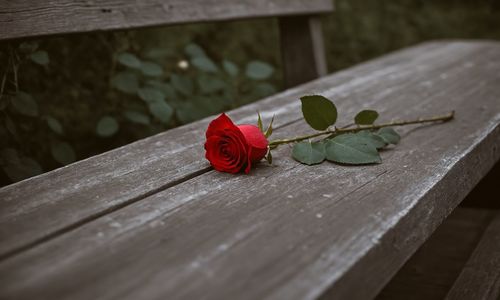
(151, 219)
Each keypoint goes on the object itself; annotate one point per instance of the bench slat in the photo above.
(29, 18)
(480, 278)
(268, 234)
(83, 191)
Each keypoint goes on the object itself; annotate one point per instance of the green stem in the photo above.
(443, 118)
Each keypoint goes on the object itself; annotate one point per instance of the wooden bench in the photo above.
(151, 220)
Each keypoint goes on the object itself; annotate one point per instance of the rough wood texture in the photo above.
(302, 49)
(432, 270)
(480, 278)
(28, 18)
(96, 186)
(270, 235)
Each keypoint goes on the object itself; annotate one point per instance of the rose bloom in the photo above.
(230, 148)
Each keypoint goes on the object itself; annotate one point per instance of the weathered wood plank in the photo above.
(302, 49)
(91, 188)
(29, 18)
(480, 278)
(269, 235)
(430, 273)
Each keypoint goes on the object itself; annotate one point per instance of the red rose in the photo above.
(230, 148)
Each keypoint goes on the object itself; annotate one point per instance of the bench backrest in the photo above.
(301, 37)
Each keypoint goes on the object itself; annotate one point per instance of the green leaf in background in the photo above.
(210, 84)
(126, 82)
(183, 84)
(10, 125)
(18, 167)
(24, 104)
(389, 135)
(151, 69)
(193, 50)
(196, 109)
(351, 149)
(149, 94)
(40, 57)
(205, 64)
(158, 53)
(309, 153)
(137, 117)
(318, 111)
(375, 140)
(366, 117)
(263, 89)
(230, 68)
(129, 60)
(55, 125)
(107, 126)
(161, 111)
(28, 47)
(259, 70)
(8, 156)
(63, 153)
(167, 89)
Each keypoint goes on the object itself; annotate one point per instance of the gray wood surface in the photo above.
(28, 18)
(430, 273)
(302, 49)
(285, 231)
(480, 278)
(94, 187)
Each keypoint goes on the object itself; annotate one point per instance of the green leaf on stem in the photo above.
(269, 157)
(259, 122)
(269, 130)
(318, 111)
(370, 137)
(389, 135)
(366, 117)
(309, 153)
(351, 149)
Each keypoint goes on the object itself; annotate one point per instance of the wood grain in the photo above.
(480, 278)
(302, 49)
(270, 235)
(83, 191)
(430, 273)
(29, 18)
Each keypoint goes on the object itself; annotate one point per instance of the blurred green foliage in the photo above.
(67, 98)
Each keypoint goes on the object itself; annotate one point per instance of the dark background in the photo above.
(78, 103)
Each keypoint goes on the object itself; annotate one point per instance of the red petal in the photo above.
(219, 124)
(256, 140)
